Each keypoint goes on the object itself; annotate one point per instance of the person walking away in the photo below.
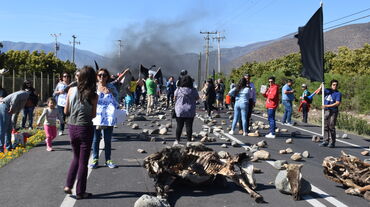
(80, 106)
(60, 96)
(210, 96)
(50, 113)
(332, 100)
(252, 97)
(272, 102)
(106, 100)
(288, 98)
(220, 91)
(185, 96)
(9, 105)
(151, 92)
(241, 94)
(304, 106)
(171, 87)
(31, 103)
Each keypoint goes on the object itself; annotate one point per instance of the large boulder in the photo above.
(282, 184)
(139, 118)
(151, 201)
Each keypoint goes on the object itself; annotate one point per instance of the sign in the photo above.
(106, 111)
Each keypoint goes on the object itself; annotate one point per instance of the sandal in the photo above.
(83, 196)
(67, 190)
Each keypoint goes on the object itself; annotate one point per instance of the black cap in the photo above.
(247, 75)
(183, 72)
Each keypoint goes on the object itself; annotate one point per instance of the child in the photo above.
(50, 113)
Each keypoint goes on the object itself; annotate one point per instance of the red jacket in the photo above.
(272, 95)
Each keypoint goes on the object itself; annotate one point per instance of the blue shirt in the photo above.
(331, 97)
(242, 96)
(287, 97)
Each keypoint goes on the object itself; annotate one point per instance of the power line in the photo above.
(347, 16)
(347, 22)
(206, 38)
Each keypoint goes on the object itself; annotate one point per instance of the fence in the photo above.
(44, 83)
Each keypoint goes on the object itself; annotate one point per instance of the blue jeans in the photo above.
(271, 119)
(287, 117)
(240, 109)
(27, 112)
(5, 128)
(107, 133)
(61, 112)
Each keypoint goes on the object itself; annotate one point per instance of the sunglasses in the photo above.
(65, 76)
(103, 75)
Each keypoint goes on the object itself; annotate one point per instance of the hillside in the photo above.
(352, 36)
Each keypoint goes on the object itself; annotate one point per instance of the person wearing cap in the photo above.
(288, 98)
(305, 104)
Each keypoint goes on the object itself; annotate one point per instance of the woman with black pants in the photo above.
(210, 96)
(185, 96)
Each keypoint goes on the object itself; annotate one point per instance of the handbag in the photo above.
(173, 113)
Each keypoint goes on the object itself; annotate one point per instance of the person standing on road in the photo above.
(288, 98)
(210, 96)
(9, 105)
(171, 87)
(106, 99)
(80, 106)
(60, 95)
(151, 92)
(31, 103)
(241, 94)
(185, 96)
(50, 113)
(332, 99)
(251, 103)
(220, 90)
(304, 106)
(272, 102)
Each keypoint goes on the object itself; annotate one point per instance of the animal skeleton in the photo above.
(349, 171)
(198, 161)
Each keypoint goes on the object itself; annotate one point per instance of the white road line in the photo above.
(68, 200)
(308, 198)
(338, 140)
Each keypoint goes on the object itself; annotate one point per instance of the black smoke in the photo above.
(159, 43)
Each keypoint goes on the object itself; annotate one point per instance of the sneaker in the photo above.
(110, 164)
(175, 142)
(323, 144)
(288, 124)
(49, 149)
(245, 134)
(231, 132)
(331, 145)
(60, 133)
(270, 136)
(94, 164)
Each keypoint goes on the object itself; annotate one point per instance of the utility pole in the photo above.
(74, 47)
(206, 38)
(219, 38)
(200, 71)
(56, 52)
(120, 48)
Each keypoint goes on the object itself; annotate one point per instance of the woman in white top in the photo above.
(60, 96)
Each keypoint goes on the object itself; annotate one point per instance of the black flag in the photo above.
(311, 44)
(96, 66)
(159, 76)
(144, 71)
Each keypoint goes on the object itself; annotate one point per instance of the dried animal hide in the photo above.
(198, 161)
(294, 177)
(350, 171)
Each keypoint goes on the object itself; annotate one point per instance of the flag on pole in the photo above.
(96, 66)
(144, 71)
(159, 76)
(311, 44)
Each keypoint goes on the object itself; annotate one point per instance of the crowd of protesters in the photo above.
(86, 100)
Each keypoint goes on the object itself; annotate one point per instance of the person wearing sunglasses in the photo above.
(272, 102)
(60, 95)
(107, 94)
(332, 99)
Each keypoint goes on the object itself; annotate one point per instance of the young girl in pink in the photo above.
(50, 114)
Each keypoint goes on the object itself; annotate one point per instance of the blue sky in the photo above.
(97, 24)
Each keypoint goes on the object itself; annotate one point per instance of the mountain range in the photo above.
(352, 36)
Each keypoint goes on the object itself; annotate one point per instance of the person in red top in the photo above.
(272, 102)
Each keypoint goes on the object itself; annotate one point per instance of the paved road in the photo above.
(37, 179)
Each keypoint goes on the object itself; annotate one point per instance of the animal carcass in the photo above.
(198, 164)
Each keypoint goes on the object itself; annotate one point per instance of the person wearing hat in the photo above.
(305, 104)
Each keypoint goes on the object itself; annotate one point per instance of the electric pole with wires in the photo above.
(219, 38)
(206, 38)
(74, 47)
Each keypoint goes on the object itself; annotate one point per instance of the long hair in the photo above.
(86, 85)
(186, 81)
(242, 84)
(107, 72)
